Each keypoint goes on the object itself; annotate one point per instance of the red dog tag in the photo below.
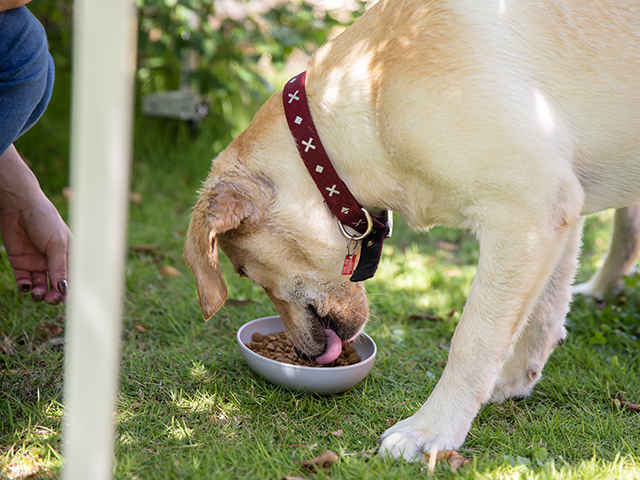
(349, 263)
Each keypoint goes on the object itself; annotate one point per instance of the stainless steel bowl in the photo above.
(325, 380)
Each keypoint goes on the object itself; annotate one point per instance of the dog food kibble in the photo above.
(276, 346)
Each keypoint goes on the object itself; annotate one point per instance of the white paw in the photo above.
(409, 438)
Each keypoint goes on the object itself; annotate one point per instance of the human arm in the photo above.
(35, 237)
(10, 4)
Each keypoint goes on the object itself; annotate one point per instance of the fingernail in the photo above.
(57, 299)
(25, 287)
(62, 287)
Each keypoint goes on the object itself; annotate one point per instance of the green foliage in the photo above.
(226, 47)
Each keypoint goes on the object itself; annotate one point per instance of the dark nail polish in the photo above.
(55, 300)
(62, 287)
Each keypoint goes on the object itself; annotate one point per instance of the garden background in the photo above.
(188, 405)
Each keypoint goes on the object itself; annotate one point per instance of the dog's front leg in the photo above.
(515, 262)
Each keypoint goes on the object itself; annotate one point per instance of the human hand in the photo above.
(35, 238)
(37, 242)
(11, 4)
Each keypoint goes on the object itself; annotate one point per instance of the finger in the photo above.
(53, 297)
(23, 280)
(39, 286)
(57, 260)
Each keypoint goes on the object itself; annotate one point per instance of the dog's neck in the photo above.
(344, 119)
(342, 95)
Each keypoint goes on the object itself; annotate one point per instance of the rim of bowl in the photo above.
(304, 367)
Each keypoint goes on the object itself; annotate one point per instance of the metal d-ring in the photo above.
(358, 237)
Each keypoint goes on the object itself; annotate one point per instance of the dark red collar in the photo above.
(371, 229)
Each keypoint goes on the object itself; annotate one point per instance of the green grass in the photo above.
(189, 407)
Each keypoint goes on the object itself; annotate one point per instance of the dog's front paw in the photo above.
(409, 438)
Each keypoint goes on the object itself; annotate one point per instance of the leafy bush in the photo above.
(226, 44)
(226, 39)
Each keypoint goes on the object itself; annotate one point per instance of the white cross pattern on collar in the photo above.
(332, 190)
(293, 96)
(308, 145)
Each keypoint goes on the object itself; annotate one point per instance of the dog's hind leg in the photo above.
(545, 328)
(623, 253)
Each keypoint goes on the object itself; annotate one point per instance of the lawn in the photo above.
(189, 408)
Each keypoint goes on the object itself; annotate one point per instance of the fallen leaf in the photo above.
(311, 446)
(325, 460)
(448, 246)
(233, 302)
(432, 317)
(50, 329)
(170, 271)
(619, 401)
(293, 478)
(135, 197)
(140, 328)
(151, 248)
(338, 433)
(455, 459)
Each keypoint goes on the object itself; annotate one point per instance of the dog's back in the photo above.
(451, 82)
(580, 60)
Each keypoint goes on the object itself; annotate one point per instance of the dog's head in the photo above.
(261, 207)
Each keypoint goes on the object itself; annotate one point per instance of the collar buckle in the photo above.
(366, 232)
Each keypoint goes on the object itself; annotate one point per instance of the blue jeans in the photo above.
(26, 74)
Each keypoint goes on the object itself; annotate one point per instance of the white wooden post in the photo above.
(104, 55)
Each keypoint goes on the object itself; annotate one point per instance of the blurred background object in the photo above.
(195, 58)
(218, 57)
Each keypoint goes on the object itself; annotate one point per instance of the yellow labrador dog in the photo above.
(509, 118)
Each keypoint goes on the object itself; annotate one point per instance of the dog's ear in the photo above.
(219, 209)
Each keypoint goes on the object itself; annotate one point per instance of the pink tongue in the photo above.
(334, 347)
